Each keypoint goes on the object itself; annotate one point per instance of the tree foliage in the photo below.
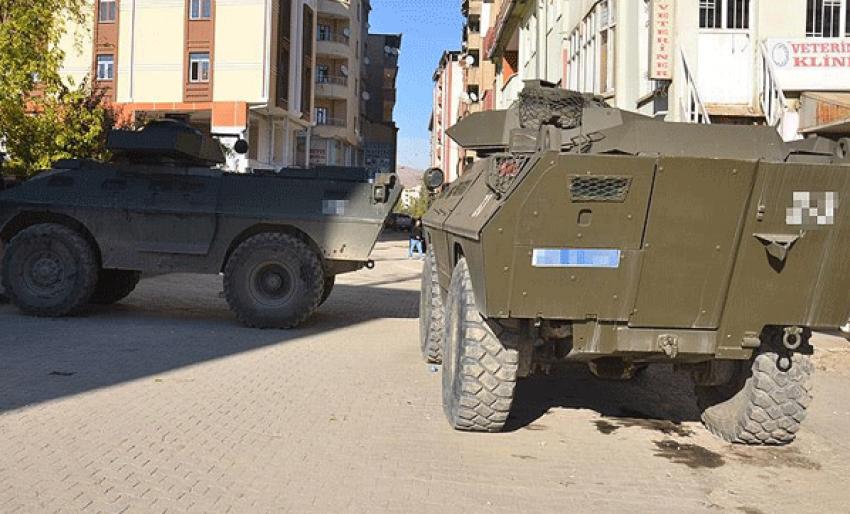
(43, 116)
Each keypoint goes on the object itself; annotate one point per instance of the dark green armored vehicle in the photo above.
(84, 231)
(596, 235)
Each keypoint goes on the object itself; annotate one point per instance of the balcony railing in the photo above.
(335, 37)
(332, 80)
(330, 122)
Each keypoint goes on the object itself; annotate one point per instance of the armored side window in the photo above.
(199, 67)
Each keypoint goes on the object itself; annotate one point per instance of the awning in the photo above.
(835, 128)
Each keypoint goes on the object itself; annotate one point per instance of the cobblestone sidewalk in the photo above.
(164, 403)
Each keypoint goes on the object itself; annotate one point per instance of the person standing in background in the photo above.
(415, 240)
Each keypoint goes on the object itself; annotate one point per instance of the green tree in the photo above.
(44, 117)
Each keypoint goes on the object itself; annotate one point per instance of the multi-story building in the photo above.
(478, 72)
(784, 62)
(342, 33)
(448, 90)
(232, 69)
(380, 133)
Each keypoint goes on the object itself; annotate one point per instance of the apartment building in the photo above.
(337, 139)
(448, 88)
(785, 63)
(380, 133)
(478, 72)
(232, 69)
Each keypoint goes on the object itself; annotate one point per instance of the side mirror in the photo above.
(240, 146)
(434, 178)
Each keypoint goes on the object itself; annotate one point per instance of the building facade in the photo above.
(283, 74)
(785, 63)
(380, 65)
(231, 69)
(478, 71)
(337, 139)
(447, 99)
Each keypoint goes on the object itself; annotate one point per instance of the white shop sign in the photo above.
(811, 64)
(662, 40)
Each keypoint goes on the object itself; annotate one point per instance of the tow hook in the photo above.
(370, 264)
(793, 338)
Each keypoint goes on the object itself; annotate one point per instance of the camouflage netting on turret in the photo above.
(554, 106)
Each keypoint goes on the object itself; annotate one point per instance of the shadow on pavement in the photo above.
(657, 399)
(45, 359)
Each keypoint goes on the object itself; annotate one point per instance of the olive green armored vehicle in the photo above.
(84, 231)
(591, 234)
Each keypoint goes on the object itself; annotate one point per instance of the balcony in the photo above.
(335, 8)
(330, 122)
(334, 44)
(332, 87)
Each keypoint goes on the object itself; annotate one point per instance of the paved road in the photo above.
(163, 403)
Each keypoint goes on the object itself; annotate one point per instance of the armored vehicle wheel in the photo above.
(113, 285)
(49, 270)
(479, 373)
(273, 281)
(327, 287)
(764, 403)
(431, 312)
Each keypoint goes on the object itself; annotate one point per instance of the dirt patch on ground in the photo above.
(787, 456)
(691, 455)
(833, 360)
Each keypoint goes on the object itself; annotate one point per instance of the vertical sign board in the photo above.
(810, 64)
(661, 41)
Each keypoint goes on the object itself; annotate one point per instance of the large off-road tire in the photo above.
(273, 280)
(327, 287)
(113, 285)
(49, 270)
(431, 312)
(762, 404)
(479, 373)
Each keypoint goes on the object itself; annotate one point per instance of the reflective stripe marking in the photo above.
(334, 207)
(575, 258)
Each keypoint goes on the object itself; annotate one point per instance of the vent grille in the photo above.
(504, 169)
(599, 188)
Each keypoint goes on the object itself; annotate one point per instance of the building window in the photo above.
(253, 140)
(321, 115)
(592, 49)
(200, 9)
(324, 33)
(307, 62)
(828, 18)
(474, 24)
(106, 11)
(199, 67)
(105, 67)
(283, 52)
(322, 73)
(724, 14)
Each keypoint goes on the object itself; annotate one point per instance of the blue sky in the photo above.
(429, 27)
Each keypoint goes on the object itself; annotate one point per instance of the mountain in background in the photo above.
(409, 177)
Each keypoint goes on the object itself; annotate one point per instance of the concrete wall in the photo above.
(241, 51)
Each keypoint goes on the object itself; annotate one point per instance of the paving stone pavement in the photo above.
(163, 403)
